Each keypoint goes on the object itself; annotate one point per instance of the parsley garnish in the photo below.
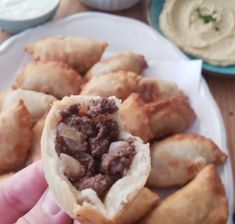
(207, 18)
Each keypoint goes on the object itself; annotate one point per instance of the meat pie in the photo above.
(54, 78)
(80, 53)
(36, 103)
(202, 201)
(125, 61)
(120, 84)
(93, 167)
(179, 158)
(15, 136)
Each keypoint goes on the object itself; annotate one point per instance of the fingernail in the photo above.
(49, 204)
(76, 222)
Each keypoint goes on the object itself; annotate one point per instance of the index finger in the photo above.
(19, 193)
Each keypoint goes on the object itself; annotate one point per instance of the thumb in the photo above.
(46, 211)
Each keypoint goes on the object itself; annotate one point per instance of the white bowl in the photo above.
(18, 25)
(110, 5)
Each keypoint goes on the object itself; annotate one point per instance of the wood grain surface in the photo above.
(223, 89)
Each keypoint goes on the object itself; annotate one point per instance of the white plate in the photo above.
(122, 34)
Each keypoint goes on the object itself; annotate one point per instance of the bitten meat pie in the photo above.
(93, 167)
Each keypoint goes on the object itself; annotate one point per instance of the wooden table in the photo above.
(223, 89)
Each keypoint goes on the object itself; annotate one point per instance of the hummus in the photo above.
(203, 28)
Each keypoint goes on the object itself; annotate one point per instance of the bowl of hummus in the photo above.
(203, 29)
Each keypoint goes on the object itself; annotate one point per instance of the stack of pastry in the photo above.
(106, 161)
(159, 112)
(57, 70)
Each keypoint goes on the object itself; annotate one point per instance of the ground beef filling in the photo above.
(92, 138)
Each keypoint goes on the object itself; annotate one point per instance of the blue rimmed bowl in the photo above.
(154, 11)
(16, 26)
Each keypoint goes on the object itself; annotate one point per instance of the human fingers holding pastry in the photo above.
(94, 168)
(24, 198)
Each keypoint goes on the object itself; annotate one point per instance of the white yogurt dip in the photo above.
(25, 9)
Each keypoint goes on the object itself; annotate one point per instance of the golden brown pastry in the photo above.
(54, 78)
(36, 140)
(79, 53)
(153, 89)
(179, 158)
(120, 84)
(125, 61)
(202, 201)
(171, 116)
(140, 206)
(15, 136)
(37, 103)
(135, 117)
(158, 119)
(94, 168)
(156, 110)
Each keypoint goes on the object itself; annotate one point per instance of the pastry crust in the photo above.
(54, 78)
(157, 109)
(153, 89)
(36, 103)
(15, 136)
(135, 118)
(85, 205)
(202, 201)
(80, 53)
(140, 206)
(125, 61)
(156, 119)
(178, 159)
(120, 84)
(35, 150)
(170, 116)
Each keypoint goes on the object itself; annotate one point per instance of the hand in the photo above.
(25, 199)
